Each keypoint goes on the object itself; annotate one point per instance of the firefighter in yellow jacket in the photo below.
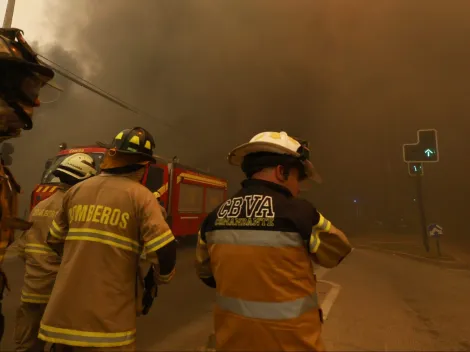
(257, 248)
(104, 226)
(42, 263)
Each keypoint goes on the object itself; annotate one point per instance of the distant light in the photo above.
(414, 199)
(355, 201)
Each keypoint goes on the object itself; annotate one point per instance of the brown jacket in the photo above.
(105, 224)
(42, 263)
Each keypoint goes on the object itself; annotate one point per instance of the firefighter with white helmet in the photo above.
(105, 225)
(256, 249)
(41, 262)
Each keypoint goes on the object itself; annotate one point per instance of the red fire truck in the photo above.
(188, 194)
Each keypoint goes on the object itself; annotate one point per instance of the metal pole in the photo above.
(8, 19)
(419, 194)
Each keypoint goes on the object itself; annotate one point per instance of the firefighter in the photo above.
(104, 226)
(21, 78)
(257, 248)
(42, 263)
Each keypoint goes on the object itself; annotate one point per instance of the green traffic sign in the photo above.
(426, 149)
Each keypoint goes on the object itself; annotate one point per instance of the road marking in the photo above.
(330, 298)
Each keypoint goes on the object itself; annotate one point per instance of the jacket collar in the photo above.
(248, 183)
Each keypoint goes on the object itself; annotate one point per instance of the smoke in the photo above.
(356, 78)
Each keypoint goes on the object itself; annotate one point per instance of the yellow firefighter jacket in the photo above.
(105, 224)
(42, 263)
(257, 249)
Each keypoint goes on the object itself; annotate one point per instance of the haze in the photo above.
(355, 78)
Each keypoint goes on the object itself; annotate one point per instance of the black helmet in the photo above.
(135, 140)
(14, 50)
(22, 76)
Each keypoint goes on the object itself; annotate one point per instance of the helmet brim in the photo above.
(44, 71)
(145, 157)
(237, 155)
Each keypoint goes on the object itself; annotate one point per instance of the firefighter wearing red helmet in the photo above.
(105, 225)
(256, 249)
(41, 262)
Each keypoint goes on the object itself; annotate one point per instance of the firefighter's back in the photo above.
(267, 301)
(95, 287)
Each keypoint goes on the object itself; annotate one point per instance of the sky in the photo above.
(356, 78)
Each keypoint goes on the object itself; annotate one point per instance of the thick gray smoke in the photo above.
(357, 78)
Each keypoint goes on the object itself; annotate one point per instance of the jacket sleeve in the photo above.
(328, 246)
(59, 229)
(21, 244)
(158, 240)
(203, 261)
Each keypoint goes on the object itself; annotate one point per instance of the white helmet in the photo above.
(80, 166)
(279, 143)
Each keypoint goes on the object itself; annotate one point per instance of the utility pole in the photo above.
(424, 151)
(422, 213)
(8, 19)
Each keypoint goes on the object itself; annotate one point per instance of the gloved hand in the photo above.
(150, 291)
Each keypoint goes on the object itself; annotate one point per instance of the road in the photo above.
(375, 301)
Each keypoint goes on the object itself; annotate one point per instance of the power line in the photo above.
(95, 89)
(78, 77)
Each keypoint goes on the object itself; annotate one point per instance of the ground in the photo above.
(388, 295)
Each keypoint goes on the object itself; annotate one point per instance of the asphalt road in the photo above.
(374, 301)
(391, 302)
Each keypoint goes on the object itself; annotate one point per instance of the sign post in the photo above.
(426, 150)
(435, 231)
